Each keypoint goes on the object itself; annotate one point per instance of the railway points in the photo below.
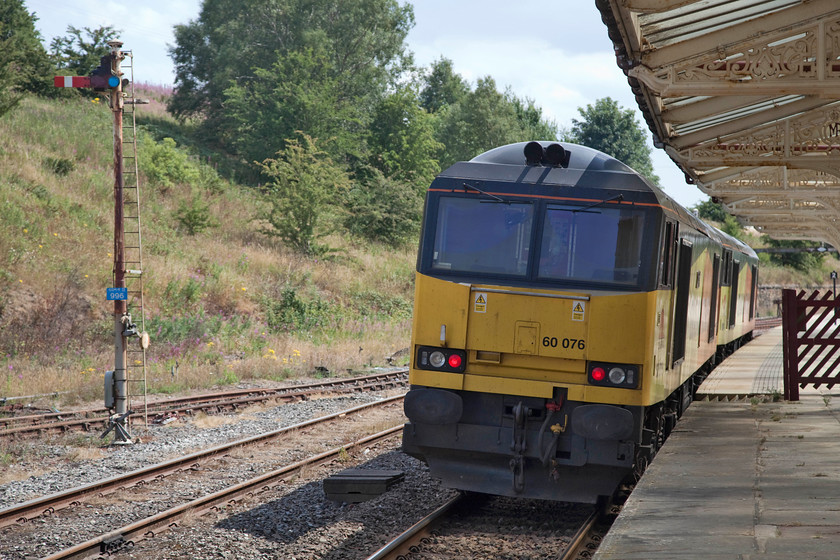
(748, 477)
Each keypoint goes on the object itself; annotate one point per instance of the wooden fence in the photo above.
(810, 340)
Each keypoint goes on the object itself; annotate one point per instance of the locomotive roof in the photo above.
(586, 168)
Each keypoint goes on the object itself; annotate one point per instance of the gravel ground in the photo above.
(298, 523)
(293, 521)
(62, 458)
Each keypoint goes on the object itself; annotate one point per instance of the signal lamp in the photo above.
(605, 374)
(103, 77)
(617, 376)
(437, 359)
(440, 359)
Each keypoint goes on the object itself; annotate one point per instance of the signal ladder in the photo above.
(135, 352)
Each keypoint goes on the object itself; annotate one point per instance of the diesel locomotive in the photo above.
(565, 312)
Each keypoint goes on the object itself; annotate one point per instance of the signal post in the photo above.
(107, 78)
(122, 322)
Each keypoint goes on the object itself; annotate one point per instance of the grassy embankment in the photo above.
(223, 305)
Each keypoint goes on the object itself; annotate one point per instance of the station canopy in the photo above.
(744, 95)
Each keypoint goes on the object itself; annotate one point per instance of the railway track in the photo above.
(90, 419)
(479, 526)
(766, 323)
(127, 537)
(49, 505)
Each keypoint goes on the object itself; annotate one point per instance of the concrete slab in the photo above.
(756, 368)
(739, 480)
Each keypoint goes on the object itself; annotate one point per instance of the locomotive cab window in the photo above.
(598, 244)
(476, 235)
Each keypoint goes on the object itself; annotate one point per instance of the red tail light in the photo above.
(441, 359)
(607, 374)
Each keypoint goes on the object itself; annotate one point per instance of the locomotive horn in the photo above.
(533, 153)
(555, 155)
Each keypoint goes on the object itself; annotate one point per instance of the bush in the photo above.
(194, 215)
(60, 166)
(304, 183)
(164, 164)
(181, 296)
(384, 210)
(291, 313)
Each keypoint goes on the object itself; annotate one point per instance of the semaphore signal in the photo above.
(107, 78)
(104, 77)
(72, 81)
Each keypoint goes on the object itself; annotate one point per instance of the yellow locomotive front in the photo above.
(535, 329)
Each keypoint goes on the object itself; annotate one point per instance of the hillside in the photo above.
(222, 305)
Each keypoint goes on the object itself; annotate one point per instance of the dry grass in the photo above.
(80, 454)
(205, 421)
(15, 473)
(55, 252)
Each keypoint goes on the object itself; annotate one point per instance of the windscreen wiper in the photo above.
(618, 198)
(493, 196)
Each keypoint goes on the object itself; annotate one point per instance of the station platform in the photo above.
(740, 478)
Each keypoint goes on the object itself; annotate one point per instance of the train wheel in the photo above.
(659, 432)
(653, 436)
(640, 465)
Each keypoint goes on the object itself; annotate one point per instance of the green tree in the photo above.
(442, 86)
(79, 52)
(484, 119)
(305, 182)
(298, 93)
(534, 125)
(383, 210)
(24, 64)
(231, 53)
(401, 139)
(803, 261)
(731, 226)
(710, 210)
(616, 132)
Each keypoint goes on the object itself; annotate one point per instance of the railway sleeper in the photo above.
(114, 544)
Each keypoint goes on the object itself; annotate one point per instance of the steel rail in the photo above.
(151, 526)
(404, 543)
(411, 536)
(57, 421)
(766, 323)
(48, 505)
(580, 537)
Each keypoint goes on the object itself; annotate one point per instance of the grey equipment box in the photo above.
(358, 485)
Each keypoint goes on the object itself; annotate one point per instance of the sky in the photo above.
(556, 53)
